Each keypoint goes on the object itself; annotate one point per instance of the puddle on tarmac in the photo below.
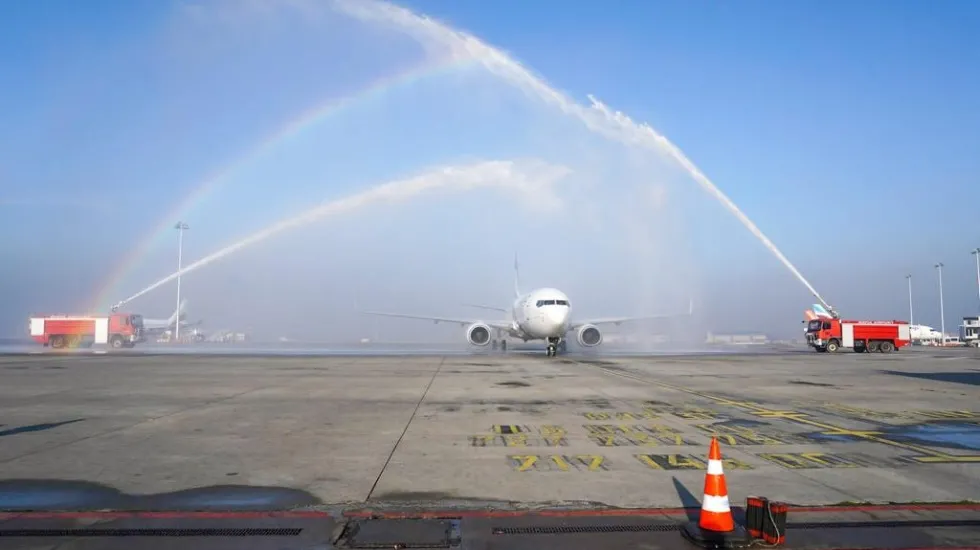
(958, 435)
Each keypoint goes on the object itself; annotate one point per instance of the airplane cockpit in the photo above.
(542, 303)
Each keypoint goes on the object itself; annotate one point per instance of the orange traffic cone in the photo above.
(716, 527)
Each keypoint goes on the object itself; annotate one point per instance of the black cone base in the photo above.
(737, 538)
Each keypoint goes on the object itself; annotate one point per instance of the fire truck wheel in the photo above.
(116, 342)
(833, 346)
(886, 347)
(56, 341)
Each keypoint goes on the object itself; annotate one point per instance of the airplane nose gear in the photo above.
(554, 344)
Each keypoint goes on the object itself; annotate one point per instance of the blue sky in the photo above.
(847, 131)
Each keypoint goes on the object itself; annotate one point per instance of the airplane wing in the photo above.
(619, 320)
(479, 306)
(504, 325)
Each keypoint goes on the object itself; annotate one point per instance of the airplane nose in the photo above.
(557, 317)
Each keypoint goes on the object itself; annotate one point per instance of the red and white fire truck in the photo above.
(119, 330)
(827, 334)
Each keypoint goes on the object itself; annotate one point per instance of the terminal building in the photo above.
(970, 331)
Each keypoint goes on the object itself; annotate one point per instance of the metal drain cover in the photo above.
(400, 533)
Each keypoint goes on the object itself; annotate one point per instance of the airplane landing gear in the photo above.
(502, 342)
(554, 346)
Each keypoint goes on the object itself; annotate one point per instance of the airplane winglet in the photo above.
(690, 306)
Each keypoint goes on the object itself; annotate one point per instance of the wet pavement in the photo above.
(514, 431)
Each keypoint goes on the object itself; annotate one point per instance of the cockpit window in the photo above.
(562, 302)
(551, 303)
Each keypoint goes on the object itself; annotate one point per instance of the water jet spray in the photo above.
(528, 178)
(616, 126)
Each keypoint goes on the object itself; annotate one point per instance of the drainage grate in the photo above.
(175, 532)
(664, 527)
(560, 529)
(907, 523)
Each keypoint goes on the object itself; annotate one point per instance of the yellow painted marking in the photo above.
(526, 461)
(907, 446)
(797, 461)
(693, 413)
(605, 441)
(787, 460)
(792, 415)
(734, 464)
(683, 462)
(515, 440)
(560, 462)
(593, 462)
(827, 460)
(508, 429)
(947, 458)
(948, 414)
(726, 439)
(855, 433)
(481, 440)
(687, 462)
(649, 462)
(659, 428)
(800, 417)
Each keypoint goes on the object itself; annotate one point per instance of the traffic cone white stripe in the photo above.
(718, 505)
(714, 468)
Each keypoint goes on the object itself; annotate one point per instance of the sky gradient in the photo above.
(847, 132)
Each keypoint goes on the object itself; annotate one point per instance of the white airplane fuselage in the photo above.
(541, 314)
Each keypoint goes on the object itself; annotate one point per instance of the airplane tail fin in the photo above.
(178, 313)
(517, 278)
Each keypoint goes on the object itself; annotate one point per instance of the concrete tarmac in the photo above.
(513, 430)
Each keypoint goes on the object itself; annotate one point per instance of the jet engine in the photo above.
(589, 336)
(478, 334)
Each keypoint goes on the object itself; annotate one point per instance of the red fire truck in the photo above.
(826, 334)
(119, 330)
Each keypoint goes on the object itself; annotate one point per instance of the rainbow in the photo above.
(108, 293)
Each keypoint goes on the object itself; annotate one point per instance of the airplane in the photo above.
(541, 314)
(159, 326)
(924, 333)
